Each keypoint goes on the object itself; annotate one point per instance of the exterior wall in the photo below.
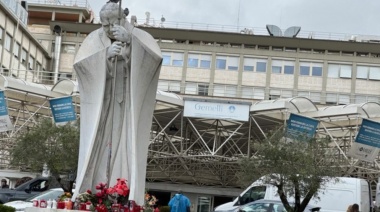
(319, 84)
(24, 52)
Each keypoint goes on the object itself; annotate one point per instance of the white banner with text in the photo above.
(215, 110)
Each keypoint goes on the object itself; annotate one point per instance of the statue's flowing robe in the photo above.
(119, 121)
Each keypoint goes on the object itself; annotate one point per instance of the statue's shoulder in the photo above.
(91, 45)
(147, 40)
(96, 34)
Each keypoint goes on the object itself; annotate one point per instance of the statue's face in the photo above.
(108, 23)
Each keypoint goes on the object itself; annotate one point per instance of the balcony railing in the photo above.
(71, 3)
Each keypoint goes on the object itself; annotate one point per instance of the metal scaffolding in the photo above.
(201, 151)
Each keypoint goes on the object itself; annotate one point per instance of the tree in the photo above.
(299, 168)
(55, 146)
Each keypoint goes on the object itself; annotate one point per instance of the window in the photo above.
(199, 61)
(374, 73)
(205, 61)
(259, 93)
(311, 69)
(288, 69)
(316, 71)
(261, 66)
(254, 64)
(313, 96)
(304, 70)
(191, 88)
(227, 62)
(62, 76)
(343, 99)
(202, 90)
(8, 40)
(31, 63)
(68, 48)
(221, 62)
(166, 59)
(16, 49)
(249, 64)
(231, 91)
(40, 185)
(331, 98)
(253, 194)
(339, 71)
(38, 66)
(177, 59)
(172, 58)
(233, 63)
(362, 72)
(276, 66)
(23, 56)
(282, 67)
(368, 72)
(345, 71)
(193, 60)
(247, 92)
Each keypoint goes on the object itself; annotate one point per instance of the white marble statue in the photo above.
(117, 68)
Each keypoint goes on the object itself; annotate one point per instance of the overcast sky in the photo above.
(355, 17)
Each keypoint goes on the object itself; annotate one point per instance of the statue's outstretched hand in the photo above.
(114, 49)
(121, 34)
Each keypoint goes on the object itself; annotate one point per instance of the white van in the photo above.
(335, 197)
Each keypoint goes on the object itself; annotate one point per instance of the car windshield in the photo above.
(49, 194)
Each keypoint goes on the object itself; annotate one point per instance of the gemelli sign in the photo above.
(215, 110)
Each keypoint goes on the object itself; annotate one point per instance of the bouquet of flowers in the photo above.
(65, 196)
(150, 201)
(106, 197)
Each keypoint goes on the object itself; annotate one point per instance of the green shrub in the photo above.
(4, 208)
(164, 209)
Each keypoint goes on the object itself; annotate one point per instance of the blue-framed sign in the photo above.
(300, 125)
(62, 109)
(367, 141)
(369, 133)
(5, 121)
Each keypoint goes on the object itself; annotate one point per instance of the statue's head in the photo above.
(110, 14)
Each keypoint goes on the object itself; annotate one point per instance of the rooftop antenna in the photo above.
(147, 18)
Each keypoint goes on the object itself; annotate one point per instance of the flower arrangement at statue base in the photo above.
(149, 202)
(64, 201)
(106, 199)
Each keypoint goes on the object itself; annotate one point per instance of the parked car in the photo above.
(50, 194)
(264, 205)
(354, 190)
(26, 190)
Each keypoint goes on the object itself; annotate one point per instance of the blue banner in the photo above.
(369, 133)
(300, 125)
(3, 105)
(63, 109)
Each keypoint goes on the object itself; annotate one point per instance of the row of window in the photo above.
(16, 51)
(259, 93)
(259, 65)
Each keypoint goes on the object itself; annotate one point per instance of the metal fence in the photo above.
(75, 3)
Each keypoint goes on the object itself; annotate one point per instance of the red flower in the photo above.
(101, 208)
(89, 191)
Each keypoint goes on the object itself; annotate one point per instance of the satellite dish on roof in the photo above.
(162, 19)
(292, 31)
(274, 30)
